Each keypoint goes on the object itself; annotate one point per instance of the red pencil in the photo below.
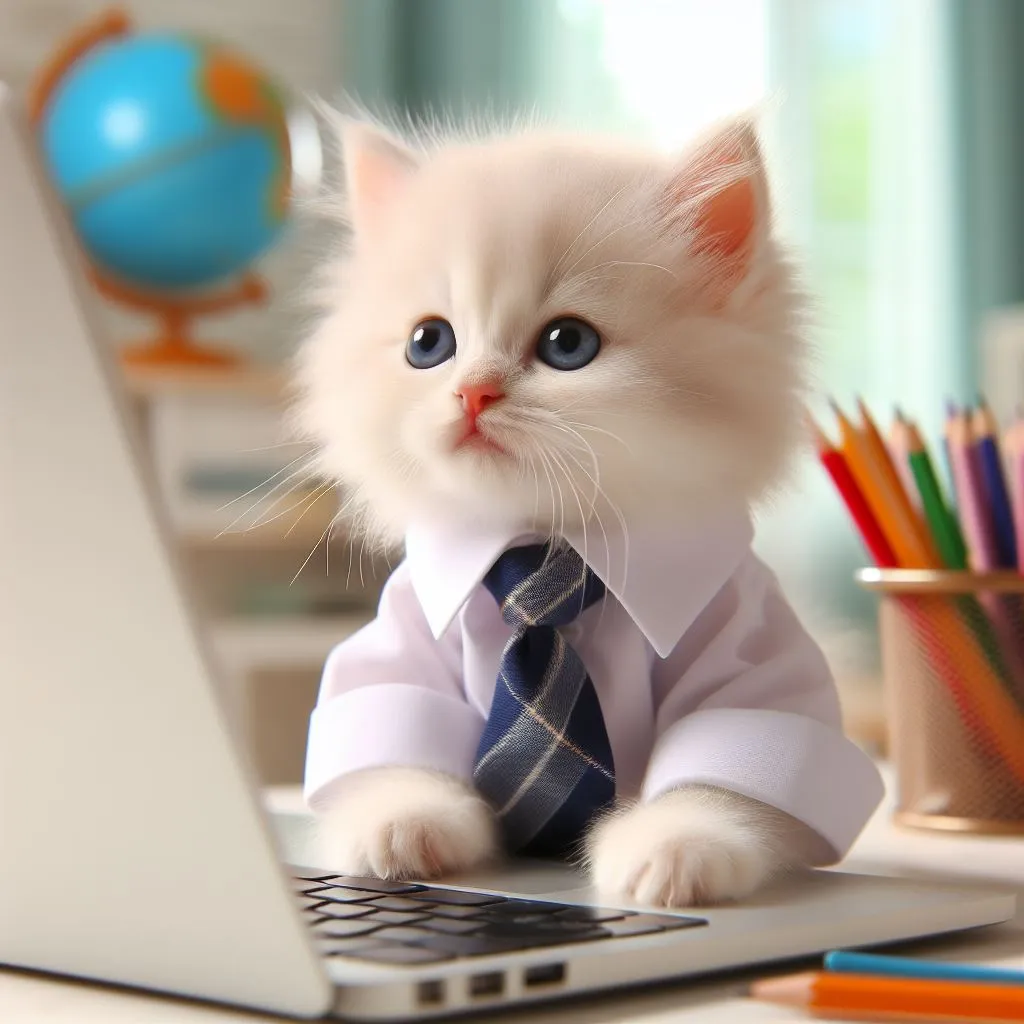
(870, 532)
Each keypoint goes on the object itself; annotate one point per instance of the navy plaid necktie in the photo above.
(544, 760)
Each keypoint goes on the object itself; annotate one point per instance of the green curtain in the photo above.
(987, 43)
(453, 56)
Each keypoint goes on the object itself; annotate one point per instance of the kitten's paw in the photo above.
(405, 823)
(688, 847)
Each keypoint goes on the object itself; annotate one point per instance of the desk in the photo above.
(881, 849)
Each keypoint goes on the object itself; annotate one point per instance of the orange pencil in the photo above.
(873, 998)
(883, 461)
(892, 514)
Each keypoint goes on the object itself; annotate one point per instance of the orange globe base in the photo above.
(174, 346)
(171, 352)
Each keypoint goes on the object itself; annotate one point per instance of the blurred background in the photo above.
(893, 130)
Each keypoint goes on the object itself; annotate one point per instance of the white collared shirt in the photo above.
(702, 669)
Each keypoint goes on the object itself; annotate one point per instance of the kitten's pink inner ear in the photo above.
(725, 223)
(377, 168)
(724, 183)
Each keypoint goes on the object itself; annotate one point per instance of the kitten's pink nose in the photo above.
(476, 397)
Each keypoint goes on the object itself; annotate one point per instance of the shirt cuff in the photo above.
(808, 770)
(388, 724)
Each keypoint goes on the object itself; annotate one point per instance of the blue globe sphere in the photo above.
(172, 156)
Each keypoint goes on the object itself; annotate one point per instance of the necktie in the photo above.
(544, 761)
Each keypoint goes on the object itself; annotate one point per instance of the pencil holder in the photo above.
(953, 663)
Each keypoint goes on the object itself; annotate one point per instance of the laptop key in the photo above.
(381, 885)
(345, 928)
(400, 903)
(342, 910)
(453, 925)
(404, 955)
(545, 934)
(397, 917)
(453, 897)
(341, 894)
(455, 912)
(400, 933)
(512, 919)
(519, 907)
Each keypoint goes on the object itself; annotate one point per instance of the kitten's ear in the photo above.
(720, 191)
(377, 168)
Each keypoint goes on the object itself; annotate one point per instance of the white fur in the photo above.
(405, 823)
(693, 401)
(690, 846)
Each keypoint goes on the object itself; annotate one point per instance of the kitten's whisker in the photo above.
(586, 227)
(312, 497)
(302, 474)
(270, 479)
(638, 263)
(316, 496)
(568, 278)
(616, 511)
(600, 430)
(312, 552)
(274, 447)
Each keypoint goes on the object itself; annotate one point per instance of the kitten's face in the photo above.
(543, 330)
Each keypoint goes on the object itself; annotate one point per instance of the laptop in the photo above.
(134, 846)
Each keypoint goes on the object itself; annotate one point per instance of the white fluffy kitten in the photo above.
(693, 401)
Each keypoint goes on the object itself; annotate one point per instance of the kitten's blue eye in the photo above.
(568, 344)
(431, 343)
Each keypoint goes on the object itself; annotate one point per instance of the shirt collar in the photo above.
(663, 575)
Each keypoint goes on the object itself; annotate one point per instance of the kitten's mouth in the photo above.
(473, 439)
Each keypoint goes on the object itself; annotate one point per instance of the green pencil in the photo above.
(943, 524)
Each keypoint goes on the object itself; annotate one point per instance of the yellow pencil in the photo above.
(898, 526)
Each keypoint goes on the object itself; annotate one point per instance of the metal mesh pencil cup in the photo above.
(953, 664)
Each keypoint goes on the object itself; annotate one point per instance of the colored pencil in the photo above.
(860, 512)
(956, 636)
(851, 962)
(970, 497)
(944, 526)
(1014, 448)
(984, 435)
(896, 523)
(883, 460)
(897, 443)
(866, 997)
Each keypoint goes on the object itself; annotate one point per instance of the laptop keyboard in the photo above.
(407, 923)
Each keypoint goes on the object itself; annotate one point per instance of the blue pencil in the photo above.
(991, 464)
(844, 962)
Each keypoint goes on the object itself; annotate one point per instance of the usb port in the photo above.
(544, 974)
(430, 993)
(490, 984)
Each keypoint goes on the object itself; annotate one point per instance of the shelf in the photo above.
(282, 642)
(250, 381)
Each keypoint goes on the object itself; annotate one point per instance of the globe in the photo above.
(172, 157)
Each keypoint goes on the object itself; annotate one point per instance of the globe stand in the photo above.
(174, 345)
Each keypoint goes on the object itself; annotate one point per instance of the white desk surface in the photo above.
(28, 999)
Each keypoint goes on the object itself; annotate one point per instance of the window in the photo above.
(856, 140)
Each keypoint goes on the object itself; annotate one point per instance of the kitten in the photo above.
(695, 403)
